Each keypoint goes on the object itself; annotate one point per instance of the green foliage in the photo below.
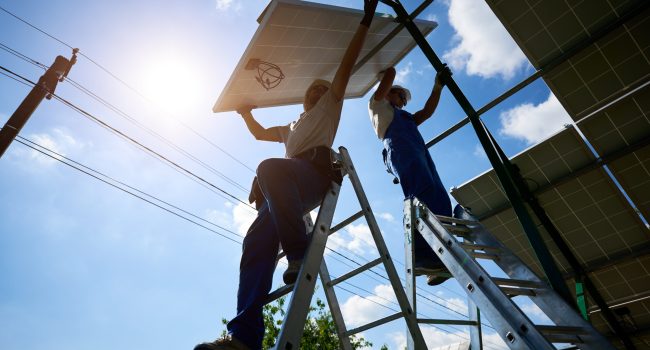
(319, 332)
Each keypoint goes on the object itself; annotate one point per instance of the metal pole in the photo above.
(552, 272)
(43, 89)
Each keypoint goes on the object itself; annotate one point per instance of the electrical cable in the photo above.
(74, 165)
(130, 119)
(123, 135)
(128, 86)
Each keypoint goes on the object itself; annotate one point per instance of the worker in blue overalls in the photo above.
(407, 158)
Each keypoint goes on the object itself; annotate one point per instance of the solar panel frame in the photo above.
(288, 36)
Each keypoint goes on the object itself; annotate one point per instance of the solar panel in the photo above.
(625, 123)
(307, 41)
(590, 212)
(548, 28)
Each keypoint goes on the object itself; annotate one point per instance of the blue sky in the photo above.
(84, 264)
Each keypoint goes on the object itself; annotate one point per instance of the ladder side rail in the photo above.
(409, 316)
(298, 307)
(547, 299)
(335, 309)
(409, 262)
(517, 331)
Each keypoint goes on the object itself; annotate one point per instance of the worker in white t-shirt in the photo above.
(290, 187)
(407, 158)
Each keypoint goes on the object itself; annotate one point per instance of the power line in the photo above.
(130, 119)
(142, 146)
(97, 175)
(129, 87)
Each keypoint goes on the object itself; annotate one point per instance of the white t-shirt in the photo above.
(316, 127)
(381, 115)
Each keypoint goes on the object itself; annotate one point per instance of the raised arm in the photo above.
(342, 76)
(260, 133)
(432, 102)
(385, 84)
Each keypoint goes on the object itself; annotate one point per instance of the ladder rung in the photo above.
(456, 228)
(373, 324)
(456, 221)
(486, 248)
(486, 256)
(518, 291)
(355, 272)
(278, 293)
(517, 283)
(563, 339)
(454, 322)
(560, 329)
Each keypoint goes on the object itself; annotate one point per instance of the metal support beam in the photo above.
(505, 178)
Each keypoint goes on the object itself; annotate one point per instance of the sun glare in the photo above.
(172, 83)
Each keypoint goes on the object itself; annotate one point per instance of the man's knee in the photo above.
(270, 167)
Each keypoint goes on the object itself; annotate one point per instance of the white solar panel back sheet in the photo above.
(307, 41)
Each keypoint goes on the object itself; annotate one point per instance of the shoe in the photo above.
(428, 267)
(435, 271)
(226, 343)
(291, 274)
(434, 280)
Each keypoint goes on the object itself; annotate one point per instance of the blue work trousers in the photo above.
(292, 187)
(407, 157)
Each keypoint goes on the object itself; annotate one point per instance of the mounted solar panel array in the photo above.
(307, 41)
(604, 88)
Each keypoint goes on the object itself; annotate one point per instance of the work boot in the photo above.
(436, 279)
(435, 271)
(226, 343)
(291, 274)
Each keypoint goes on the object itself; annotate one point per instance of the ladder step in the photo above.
(453, 322)
(550, 329)
(502, 282)
(443, 218)
(562, 334)
(486, 256)
(373, 324)
(456, 228)
(510, 291)
(278, 293)
(486, 248)
(355, 272)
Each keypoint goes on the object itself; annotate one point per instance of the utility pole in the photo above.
(44, 89)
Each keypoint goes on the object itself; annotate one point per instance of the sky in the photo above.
(84, 264)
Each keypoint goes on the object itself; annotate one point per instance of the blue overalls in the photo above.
(407, 157)
(292, 187)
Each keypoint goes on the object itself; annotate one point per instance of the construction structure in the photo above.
(571, 210)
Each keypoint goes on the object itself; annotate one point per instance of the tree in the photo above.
(319, 332)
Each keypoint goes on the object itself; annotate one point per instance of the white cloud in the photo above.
(356, 238)
(434, 337)
(533, 123)
(239, 219)
(358, 311)
(479, 152)
(403, 73)
(432, 17)
(387, 217)
(224, 5)
(58, 140)
(484, 46)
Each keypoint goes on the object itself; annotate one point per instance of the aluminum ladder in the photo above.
(493, 296)
(314, 264)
